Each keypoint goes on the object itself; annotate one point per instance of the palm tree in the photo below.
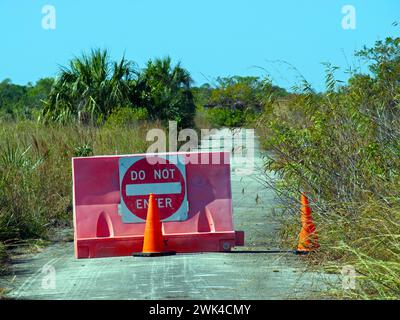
(93, 85)
(165, 91)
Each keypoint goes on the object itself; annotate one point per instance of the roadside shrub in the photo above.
(92, 86)
(343, 148)
(3, 258)
(123, 117)
(3, 253)
(35, 171)
(85, 150)
(222, 117)
(234, 101)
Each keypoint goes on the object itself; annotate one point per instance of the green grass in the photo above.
(342, 147)
(3, 270)
(351, 170)
(3, 254)
(369, 241)
(35, 172)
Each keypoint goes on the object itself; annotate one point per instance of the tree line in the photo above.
(93, 89)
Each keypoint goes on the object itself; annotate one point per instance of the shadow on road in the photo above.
(261, 251)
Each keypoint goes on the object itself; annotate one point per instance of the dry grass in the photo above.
(343, 149)
(35, 172)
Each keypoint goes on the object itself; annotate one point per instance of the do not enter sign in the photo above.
(142, 175)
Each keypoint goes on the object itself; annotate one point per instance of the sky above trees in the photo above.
(211, 38)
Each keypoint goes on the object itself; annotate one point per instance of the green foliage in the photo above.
(38, 93)
(35, 171)
(342, 147)
(202, 94)
(3, 258)
(93, 87)
(237, 93)
(16, 165)
(92, 84)
(220, 117)
(3, 253)
(165, 91)
(10, 94)
(236, 100)
(126, 117)
(22, 102)
(84, 150)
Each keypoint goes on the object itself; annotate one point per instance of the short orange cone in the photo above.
(153, 245)
(308, 238)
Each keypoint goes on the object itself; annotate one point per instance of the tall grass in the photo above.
(343, 148)
(35, 172)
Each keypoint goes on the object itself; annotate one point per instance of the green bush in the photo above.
(223, 117)
(84, 150)
(35, 171)
(343, 147)
(93, 85)
(3, 258)
(3, 253)
(235, 101)
(125, 117)
(165, 91)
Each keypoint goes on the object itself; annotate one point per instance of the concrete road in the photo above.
(251, 272)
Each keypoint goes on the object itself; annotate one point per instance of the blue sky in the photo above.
(210, 37)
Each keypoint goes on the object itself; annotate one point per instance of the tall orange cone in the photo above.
(308, 238)
(153, 244)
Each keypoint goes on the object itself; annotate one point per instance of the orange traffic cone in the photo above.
(308, 238)
(153, 245)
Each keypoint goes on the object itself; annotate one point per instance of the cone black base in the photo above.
(153, 254)
(301, 252)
